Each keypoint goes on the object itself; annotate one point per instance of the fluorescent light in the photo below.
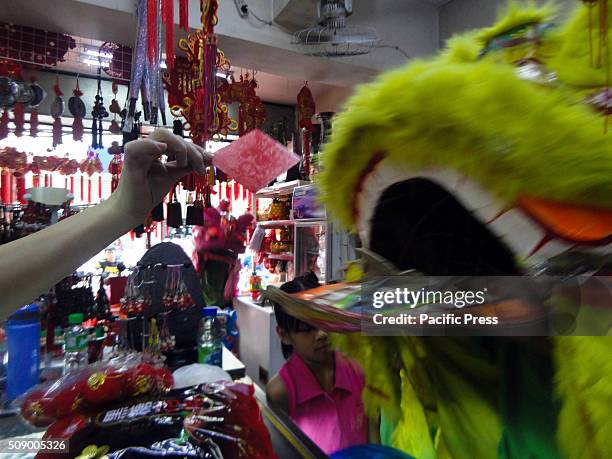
(96, 62)
(223, 75)
(96, 53)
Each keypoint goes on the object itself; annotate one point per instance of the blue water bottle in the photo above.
(23, 347)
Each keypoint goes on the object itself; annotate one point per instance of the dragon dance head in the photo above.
(490, 158)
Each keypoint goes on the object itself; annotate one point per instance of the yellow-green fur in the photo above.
(514, 137)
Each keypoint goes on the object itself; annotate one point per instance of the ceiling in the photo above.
(112, 20)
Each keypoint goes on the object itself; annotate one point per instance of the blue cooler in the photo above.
(23, 347)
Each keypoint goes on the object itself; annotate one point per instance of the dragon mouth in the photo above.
(442, 223)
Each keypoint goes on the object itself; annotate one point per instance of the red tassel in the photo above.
(77, 129)
(82, 188)
(57, 132)
(228, 191)
(152, 30)
(184, 15)
(245, 195)
(4, 121)
(34, 123)
(168, 15)
(89, 191)
(5, 184)
(236, 191)
(12, 188)
(72, 185)
(19, 119)
(46, 180)
(65, 183)
(51, 180)
(21, 188)
(100, 187)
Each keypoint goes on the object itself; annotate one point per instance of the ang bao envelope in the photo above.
(254, 160)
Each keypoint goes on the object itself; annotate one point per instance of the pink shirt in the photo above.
(333, 420)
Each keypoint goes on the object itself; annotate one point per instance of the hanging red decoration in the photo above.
(168, 17)
(306, 110)
(34, 123)
(36, 180)
(151, 30)
(115, 165)
(19, 118)
(57, 109)
(77, 110)
(5, 186)
(236, 191)
(100, 186)
(20, 187)
(72, 185)
(4, 122)
(184, 15)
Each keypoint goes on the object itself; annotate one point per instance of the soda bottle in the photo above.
(210, 341)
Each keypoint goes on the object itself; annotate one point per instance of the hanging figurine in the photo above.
(115, 109)
(98, 113)
(57, 109)
(77, 110)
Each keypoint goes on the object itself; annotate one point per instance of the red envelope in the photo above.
(254, 160)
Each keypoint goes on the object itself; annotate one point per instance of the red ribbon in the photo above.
(152, 30)
(99, 187)
(82, 188)
(184, 15)
(36, 181)
(46, 180)
(72, 185)
(168, 17)
(89, 191)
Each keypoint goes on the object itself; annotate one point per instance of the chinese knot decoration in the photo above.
(200, 103)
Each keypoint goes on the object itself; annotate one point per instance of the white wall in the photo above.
(461, 15)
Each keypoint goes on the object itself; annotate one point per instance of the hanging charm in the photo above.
(116, 165)
(98, 113)
(19, 118)
(57, 109)
(115, 109)
(174, 213)
(77, 110)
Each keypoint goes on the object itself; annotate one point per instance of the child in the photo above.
(319, 388)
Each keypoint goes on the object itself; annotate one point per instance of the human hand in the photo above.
(145, 180)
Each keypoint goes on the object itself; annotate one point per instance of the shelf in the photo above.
(280, 189)
(280, 256)
(275, 223)
(309, 221)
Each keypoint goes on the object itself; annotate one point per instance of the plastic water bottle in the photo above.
(210, 342)
(75, 344)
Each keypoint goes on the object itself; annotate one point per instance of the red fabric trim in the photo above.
(184, 15)
(168, 13)
(151, 30)
(377, 158)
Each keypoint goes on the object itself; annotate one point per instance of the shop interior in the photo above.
(178, 319)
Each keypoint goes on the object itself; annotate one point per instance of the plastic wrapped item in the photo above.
(222, 420)
(198, 373)
(92, 386)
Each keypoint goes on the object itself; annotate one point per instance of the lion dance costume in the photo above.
(490, 159)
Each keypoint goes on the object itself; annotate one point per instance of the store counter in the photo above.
(259, 346)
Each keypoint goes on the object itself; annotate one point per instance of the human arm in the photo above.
(31, 265)
(276, 391)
